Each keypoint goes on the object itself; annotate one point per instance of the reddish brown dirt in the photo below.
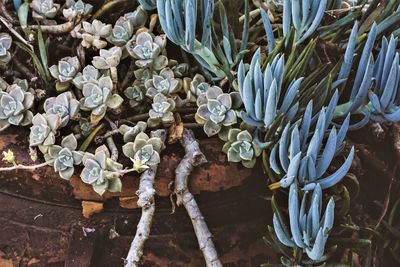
(42, 221)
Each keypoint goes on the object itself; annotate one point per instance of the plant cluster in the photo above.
(268, 94)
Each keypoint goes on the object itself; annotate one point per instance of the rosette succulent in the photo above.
(143, 152)
(148, 50)
(216, 109)
(98, 97)
(161, 111)
(76, 8)
(137, 17)
(65, 105)
(44, 9)
(122, 32)
(101, 171)
(309, 229)
(65, 157)
(241, 148)
(5, 44)
(135, 94)
(43, 131)
(195, 87)
(164, 83)
(129, 133)
(108, 59)
(65, 72)
(14, 107)
(94, 32)
(89, 74)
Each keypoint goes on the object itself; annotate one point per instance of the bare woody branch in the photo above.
(146, 202)
(194, 157)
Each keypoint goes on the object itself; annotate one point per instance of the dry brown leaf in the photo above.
(5, 262)
(128, 202)
(175, 131)
(89, 208)
(33, 261)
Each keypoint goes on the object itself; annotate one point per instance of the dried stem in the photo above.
(10, 27)
(146, 202)
(58, 29)
(113, 148)
(194, 157)
(25, 167)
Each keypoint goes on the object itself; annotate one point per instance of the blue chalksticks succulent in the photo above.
(309, 227)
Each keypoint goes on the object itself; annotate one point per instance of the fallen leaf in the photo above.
(33, 261)
(128, 202)
(5, 262)
(175, 131)
(89, 208)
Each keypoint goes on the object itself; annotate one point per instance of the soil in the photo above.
(43, 225)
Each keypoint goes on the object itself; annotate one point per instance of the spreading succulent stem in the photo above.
(146, 202)
(194, 157)
(26, 167)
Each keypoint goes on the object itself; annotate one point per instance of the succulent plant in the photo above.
(92, 33)
(65, 72)
(143, 152)
(14, 107)
(44, 9)
(195, 87)
(216, 109)
(129, 133)
(148, 4)
(121, 33)
(76, 8)
(384, 98)
(135, 94)
(89, 74)
(65, 105)
(43, 131)
(309, 229)
(164, 83)
(101, 171)
(148, 51)
(98, 97)
(161, 111)
(65, 156)
(137, 17)
(262, 93)
(5, 44)
(304, 16)
(300, 157)
(108, 59)
(241, 148)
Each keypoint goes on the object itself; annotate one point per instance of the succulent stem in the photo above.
(26, 167)
(194, 157)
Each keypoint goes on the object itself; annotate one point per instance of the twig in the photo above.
(396, 139)
(194, 157)
(387, 197)
(25, 167)
(146, 202)
(113, 148)
(58, 29)
(9, 26)
(5, 13)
